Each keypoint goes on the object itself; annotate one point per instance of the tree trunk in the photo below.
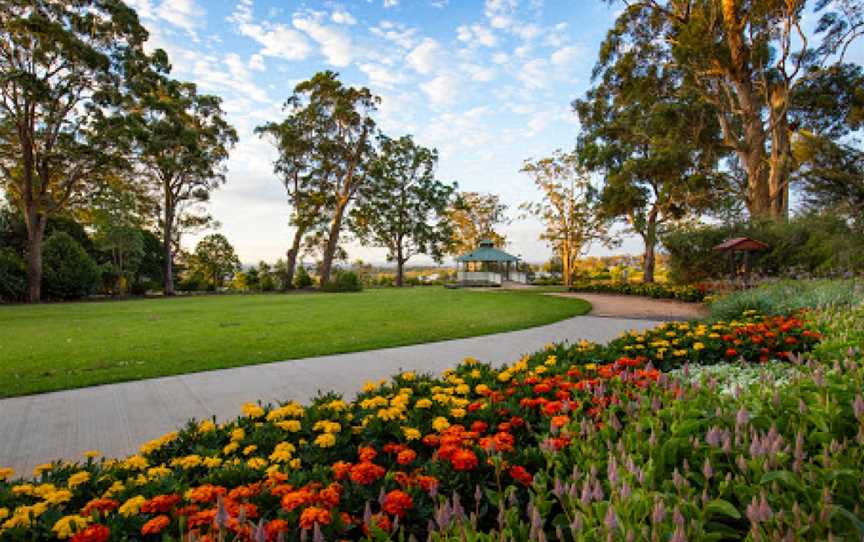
(565, 264)
(400, 265)
(781, 155)
(332, 243)
(168, 264)
(650, 238)
(36, 223)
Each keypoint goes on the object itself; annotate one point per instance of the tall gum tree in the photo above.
(61, 64)
(476, 216)
(182, 143)
(403, 206)
(343, 150)
(655, 142)
(745, 58)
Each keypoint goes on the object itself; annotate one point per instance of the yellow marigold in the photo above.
(423, 403)
(476, 373)
(458, 402)
(698, 346)
(207, 426)
(69, 525)
(590, 366)
(136, 462)
(551, 360)
(6, 473)
(481, 389)
(78, 478)
(186, 462)
(291, 426)
(212, 462)
(252, 410)
(238, 434)
(283, 452)
(155, 444)
(43, 490)
(370, 386)
(327, 426)
(132, 506)
(373, 402)
(288, 410)
(23, 489)
(470, 361)
(679, 353)
(504, 376)
(440, 423)
(159, 472)
(257, 463)
(463, 389)
(4, 513)
(411, 433)
(249, 450)
(115, 488)
(92, 454)
(295, 463)
(457, 412)
(58, 497)
(540, 370)
(336, 406)
(441, 398)
(388, 414)
(325, 440)
(408, 376)
(39, 469)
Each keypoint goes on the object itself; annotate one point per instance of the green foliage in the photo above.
(655, 290)
(216, 260)
(343, 281)
(70, 273)
(809, 244)
(13, 276)
(475, 217)
(302, 279)
(787, 296)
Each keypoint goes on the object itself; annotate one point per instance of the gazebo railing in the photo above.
(489, 277)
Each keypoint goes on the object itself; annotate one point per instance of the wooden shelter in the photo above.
(745, 245)
(488, 266)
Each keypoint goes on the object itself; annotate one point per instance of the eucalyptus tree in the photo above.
(182, 142)
(656, 143)
(62, 64)
(745, 59)
(568, 209)
(403, 206)
(215, 259)
(475, 216)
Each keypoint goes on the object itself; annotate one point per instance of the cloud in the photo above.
(184, 14)
(381, 76)
(535, 73)
(443, 89)
(476, 34)
(500, 58)
(343, 17)
(391, 3)
(277, 40)
(335, 45)
(479, 72)
(397, 33)
(566, 57)
(426, 57)
(500, 13)
(256, 62)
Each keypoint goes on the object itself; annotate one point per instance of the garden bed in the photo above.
(584, 441)
(692, 293)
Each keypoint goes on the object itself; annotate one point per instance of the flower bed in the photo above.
(384, 462)
(656, 290)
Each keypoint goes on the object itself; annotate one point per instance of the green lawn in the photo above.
(61, 346)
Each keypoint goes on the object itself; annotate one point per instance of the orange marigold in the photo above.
(397, 502)
(406, 457)
(101, 505)
(313, 515)
(93, 533)
(160, 504)
(463, 460)
(379, 521)
(206, 493)
(366, 473)
(155, 525)
(367, 453)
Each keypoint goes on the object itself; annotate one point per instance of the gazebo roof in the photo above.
(741, 244)
(487, 252)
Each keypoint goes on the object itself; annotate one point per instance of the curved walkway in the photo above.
(629, 306)
(116, 418)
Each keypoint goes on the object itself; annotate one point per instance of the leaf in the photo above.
(720, 506)
(784, 476)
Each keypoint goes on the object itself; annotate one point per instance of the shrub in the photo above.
(69, 272)
(13, 276)
(302, 278)
(785, 296)
(343, 281)
(655, 290)
(810, 245)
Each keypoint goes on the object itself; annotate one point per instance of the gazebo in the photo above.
(745, 245)
(488, 266)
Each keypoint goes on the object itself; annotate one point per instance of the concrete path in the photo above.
(630, 306)
(116, 418)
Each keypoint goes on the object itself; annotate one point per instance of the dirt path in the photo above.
(628, 306)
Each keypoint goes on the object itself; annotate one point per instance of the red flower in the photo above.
(206, 493)
(273, 528)
(428, 483)
(406, 457)
(367, 453)
(521, 475)
(464, 460)
(731, 352)
(397, 502)
(93, 533)
(155, 525)
(379, 521)
(102, 505)
(479, 427)
(160, 504)
(313, 515)
(341, 469)
(330, 495)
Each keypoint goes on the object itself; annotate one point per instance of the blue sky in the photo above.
(488, 83)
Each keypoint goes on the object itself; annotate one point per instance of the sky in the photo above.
(487, 83)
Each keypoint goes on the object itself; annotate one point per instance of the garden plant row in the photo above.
(687, 292)
(577, 442)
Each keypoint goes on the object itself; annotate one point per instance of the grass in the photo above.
(62, 346)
